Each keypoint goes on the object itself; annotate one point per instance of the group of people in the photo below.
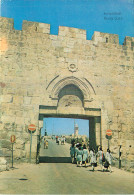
(82, 154)
(60, 140)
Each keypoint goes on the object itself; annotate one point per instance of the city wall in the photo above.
(35, 66)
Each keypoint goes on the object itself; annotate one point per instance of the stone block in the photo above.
(27, 100)
(130, 143)
(27, 121)
(105, 38)
(18, 100)
(72, 32)
(3, 168)
(3, 161)
(6, 144)
(35, 100)
(7, 23)
(44, 28)
(34, 27)
(6, 98)
(27, 149)
(3, 135)
(20, 144)
(19, 121)
(130, 157)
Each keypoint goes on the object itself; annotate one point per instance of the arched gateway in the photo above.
(65, 75)
(70, 96)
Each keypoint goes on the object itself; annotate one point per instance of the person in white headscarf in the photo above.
(101, 158)
(72, 152)
(109, 159)
(85, 154)
(93, 158)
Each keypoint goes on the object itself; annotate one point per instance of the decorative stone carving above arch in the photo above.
(59, 83)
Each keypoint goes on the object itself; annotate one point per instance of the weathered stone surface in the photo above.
(3, 168)
(2, 161)
(37, 70)
(6, 144)
(3, 164)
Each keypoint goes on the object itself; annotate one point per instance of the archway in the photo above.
(70, 96)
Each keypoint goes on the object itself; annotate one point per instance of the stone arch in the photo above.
(70, 95)
(79, 83)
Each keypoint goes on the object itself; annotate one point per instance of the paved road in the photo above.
(55, 153)
(63, 178)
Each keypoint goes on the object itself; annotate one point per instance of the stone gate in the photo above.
(65, 75)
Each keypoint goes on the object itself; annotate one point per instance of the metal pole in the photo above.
(108, 143)
(119, 157)
(12, 155)
(30, 145)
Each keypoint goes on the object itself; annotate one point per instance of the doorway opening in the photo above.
(57, 134)
(64, 127)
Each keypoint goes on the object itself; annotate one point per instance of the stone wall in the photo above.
(36, 65)
(3, 164)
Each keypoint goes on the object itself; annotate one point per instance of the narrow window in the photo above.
(106, 40)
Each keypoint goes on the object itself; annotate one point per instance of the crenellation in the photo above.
(105, 37)
(129, 42)
(72, 32)
(66, 32)
(7, 23)
(35, 27)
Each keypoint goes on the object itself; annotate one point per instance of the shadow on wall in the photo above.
(47, 159)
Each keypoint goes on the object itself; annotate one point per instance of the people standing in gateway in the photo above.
(93, 158)
(72, 152)
(79, 154)
(44, 143)
(109, 158)
(101, 158)
(85, 154)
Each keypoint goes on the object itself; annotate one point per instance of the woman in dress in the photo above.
(109, 159)
(79, 154)
(93, 158)
(101, 158)
(72, 151)
(85, 154)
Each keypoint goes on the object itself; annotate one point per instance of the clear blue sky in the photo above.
(65, 126)
(91, 15)
(111, 16)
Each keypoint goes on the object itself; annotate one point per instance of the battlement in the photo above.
(36, 27)
(6, 23)
(129, 41)
(105, 38)
(72, 32)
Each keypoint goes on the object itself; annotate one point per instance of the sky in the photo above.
(111, 16)
(108, 16)
(65, 126)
